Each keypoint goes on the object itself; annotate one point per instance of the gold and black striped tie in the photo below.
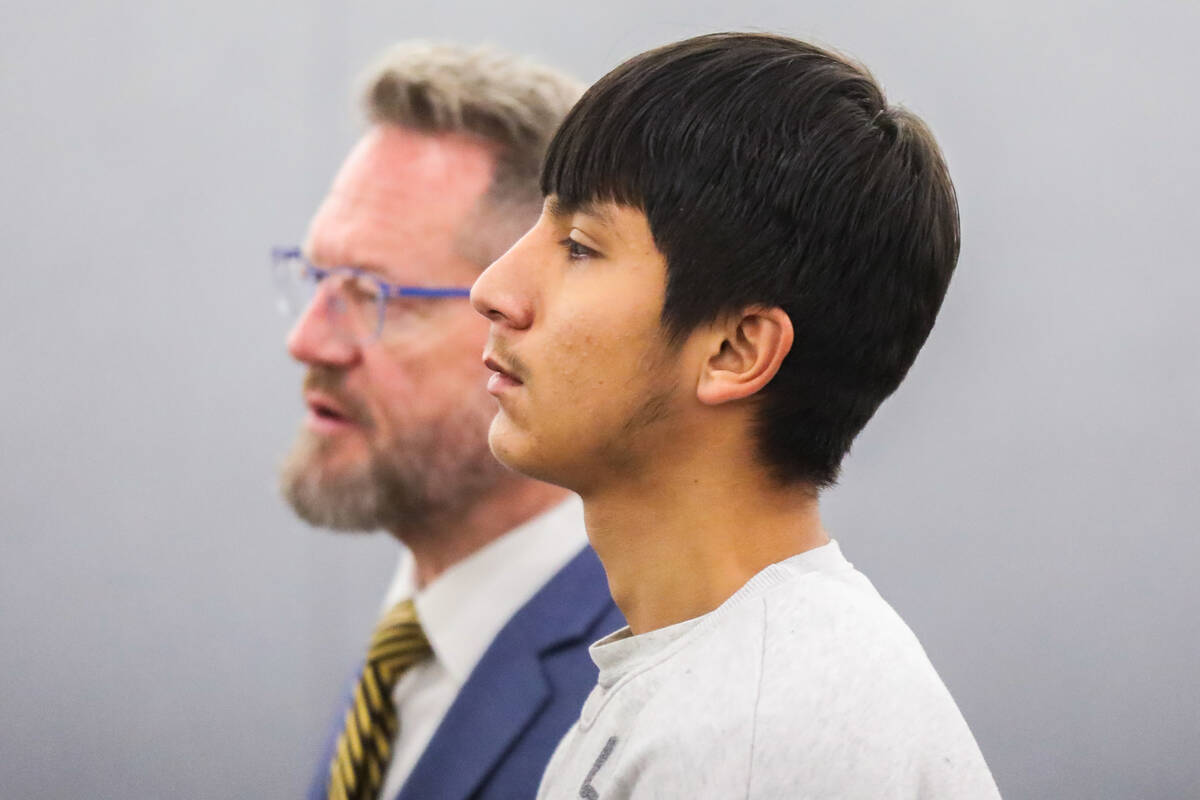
(364, 749)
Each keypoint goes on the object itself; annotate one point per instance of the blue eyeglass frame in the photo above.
(390, 291)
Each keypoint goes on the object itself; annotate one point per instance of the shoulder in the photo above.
(831, 645)
(846, 681)
(836, 619)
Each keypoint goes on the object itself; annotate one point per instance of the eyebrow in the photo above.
(591, 208)
(375, 270)
(336, 263)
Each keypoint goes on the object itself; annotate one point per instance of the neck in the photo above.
(450, 538)
(676, 544)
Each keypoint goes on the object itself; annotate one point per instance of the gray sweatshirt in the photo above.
(804, 684)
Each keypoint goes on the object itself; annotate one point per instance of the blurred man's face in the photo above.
(396, 429)
(587, 387)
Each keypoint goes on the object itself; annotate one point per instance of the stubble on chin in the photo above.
(344, 500)
(406, 484)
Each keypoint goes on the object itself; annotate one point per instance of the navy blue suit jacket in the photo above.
(522, 696)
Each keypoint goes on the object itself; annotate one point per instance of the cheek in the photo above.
(580, 363)
(442, 339)
(419, 374)
(595, 366)
(457, 334)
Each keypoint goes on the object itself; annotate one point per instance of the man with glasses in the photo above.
(479, 663)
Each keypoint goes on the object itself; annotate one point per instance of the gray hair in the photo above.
(510, 102)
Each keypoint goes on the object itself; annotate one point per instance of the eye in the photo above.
(577, 251)
(407, 308)
(361, 288)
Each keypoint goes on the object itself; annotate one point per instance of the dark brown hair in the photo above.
(773, 172)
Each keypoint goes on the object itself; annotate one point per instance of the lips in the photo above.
(326, 414)
(504, 378)
(494, 365)
(325, 406)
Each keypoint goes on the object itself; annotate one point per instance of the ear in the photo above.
(746, 353)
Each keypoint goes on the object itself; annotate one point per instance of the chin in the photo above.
(515, 449)
(505, 443)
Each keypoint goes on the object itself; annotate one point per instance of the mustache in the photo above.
(511, 362)
(331, 381)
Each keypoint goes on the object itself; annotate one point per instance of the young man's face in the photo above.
(586, 383)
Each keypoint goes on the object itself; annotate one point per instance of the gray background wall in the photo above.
(1026, 500)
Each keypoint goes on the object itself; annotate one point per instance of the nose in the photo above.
(317, 338)
(499, 294)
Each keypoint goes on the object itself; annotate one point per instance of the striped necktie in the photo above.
(364, 748)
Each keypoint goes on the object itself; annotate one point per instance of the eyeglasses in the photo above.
(359, 300)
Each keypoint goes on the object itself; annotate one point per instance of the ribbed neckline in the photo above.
(621, 654)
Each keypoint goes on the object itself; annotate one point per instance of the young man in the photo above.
(741, 251)
(482, 665)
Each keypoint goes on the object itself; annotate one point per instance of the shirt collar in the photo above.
(621, 652)
(464, 608)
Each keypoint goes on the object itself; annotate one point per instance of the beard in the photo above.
(426, 471)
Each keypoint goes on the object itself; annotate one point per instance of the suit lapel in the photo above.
(508, 687)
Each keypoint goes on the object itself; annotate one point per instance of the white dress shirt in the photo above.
(461, 612)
